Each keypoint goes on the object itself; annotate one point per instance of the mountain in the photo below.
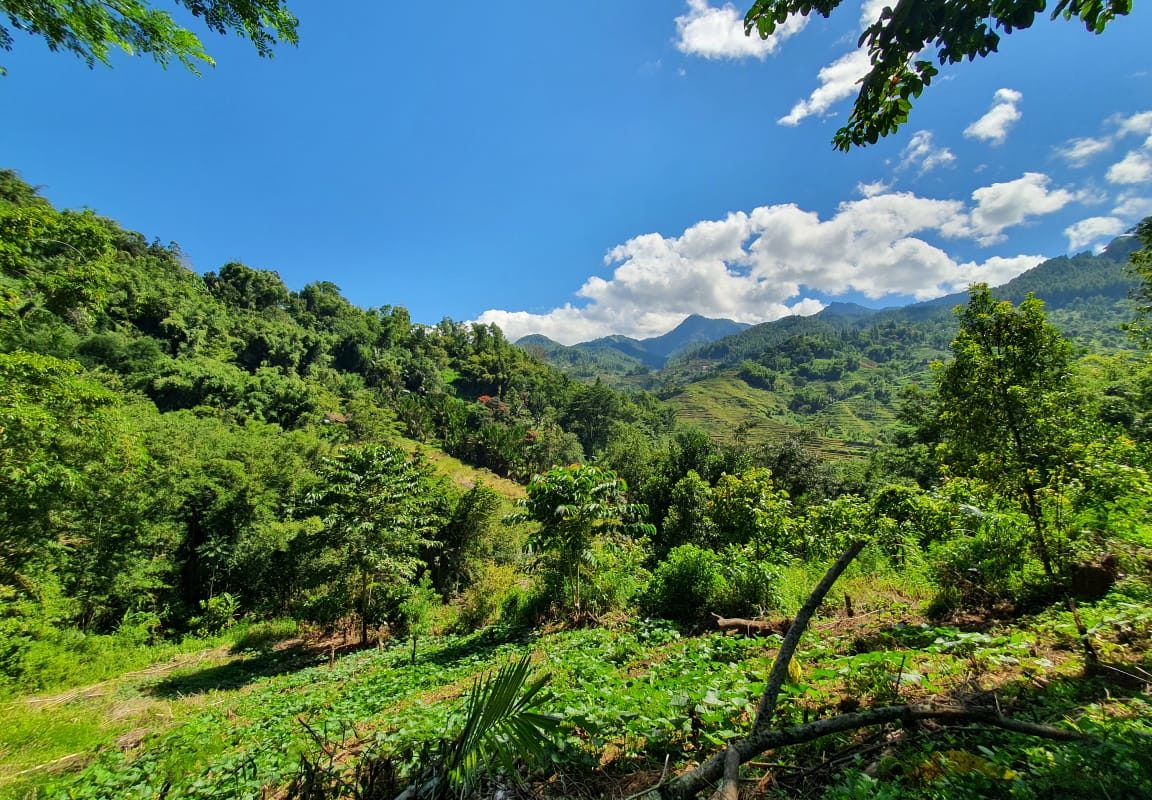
(838, 374)
(623, 355)
(581, 362)
(695, 329)
(846, 310)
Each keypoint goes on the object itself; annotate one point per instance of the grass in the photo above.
(464, 475)
(70, 658)
(115, 691)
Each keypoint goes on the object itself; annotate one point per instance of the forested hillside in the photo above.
(259, 542)
(616, 357)
(839, 375)
(171, 438)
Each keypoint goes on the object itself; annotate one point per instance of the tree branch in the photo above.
(692, 783)
(779, 671)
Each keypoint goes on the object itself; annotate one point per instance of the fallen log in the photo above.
(753, 627)
(729, 788)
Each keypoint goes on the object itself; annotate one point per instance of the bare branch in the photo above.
(692, 783)
(779, 671)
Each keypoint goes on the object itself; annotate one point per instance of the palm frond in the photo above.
(501, 724)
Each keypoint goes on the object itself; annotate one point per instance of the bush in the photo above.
(482, 602)
(753, 584)
(526, 605)
(216, 614)
(983, 569)
(688, 584)
(617, 576)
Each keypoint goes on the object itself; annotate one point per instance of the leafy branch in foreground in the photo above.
(502, 728)
(957, 29)
(501, 725)
(91, 29)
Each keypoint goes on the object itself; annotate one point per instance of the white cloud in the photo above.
(1136, 167)
(719, 33)
(993, 127)
(994, 272)
(1079, 152)
(872, 189)
(922, 153)
(1133, 207)
(1002, 205)
(1136, 124)
(870, 11)
(757, 266)
(1091, 230)
(837, 81)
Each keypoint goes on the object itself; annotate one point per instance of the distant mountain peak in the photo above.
(652, 352)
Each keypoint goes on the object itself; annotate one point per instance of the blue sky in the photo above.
(600, 168)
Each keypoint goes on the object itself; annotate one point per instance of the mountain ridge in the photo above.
(638, 354)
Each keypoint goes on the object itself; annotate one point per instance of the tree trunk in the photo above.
(363, 607)
(729, 788)
(761, 738)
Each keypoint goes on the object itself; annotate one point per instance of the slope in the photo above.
(839, 373)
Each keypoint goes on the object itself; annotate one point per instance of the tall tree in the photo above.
(1140, 263)
(1007, 412)
(376, 508)
(958, 30)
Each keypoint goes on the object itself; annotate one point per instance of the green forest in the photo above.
(263, 543)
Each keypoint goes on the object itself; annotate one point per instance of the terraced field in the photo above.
(724, 404)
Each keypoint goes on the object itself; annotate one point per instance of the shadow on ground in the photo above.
(265, 658)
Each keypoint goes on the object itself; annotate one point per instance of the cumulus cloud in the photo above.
(993, 127)
(870, 11)
(762, 264)
(1135, 167)
(1002, 205)
(837, 81)
(872, 189)
(1133, 207)
(718, 33)
(1139, 124)
(1078, 152)
(923, 154)
(1091, 230)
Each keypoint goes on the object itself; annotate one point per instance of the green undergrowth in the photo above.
(64, 658)
(631, 697)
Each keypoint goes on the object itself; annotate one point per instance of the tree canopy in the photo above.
(957, 29)
(91, 29)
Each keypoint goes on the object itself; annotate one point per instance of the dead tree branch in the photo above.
(779, 672)
(699, 779)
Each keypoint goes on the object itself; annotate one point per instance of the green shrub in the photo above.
(482, 602)
(616, 576)
(526, 605)
(983, 569)
(688, 584)
(216, 614)
(753, 584)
